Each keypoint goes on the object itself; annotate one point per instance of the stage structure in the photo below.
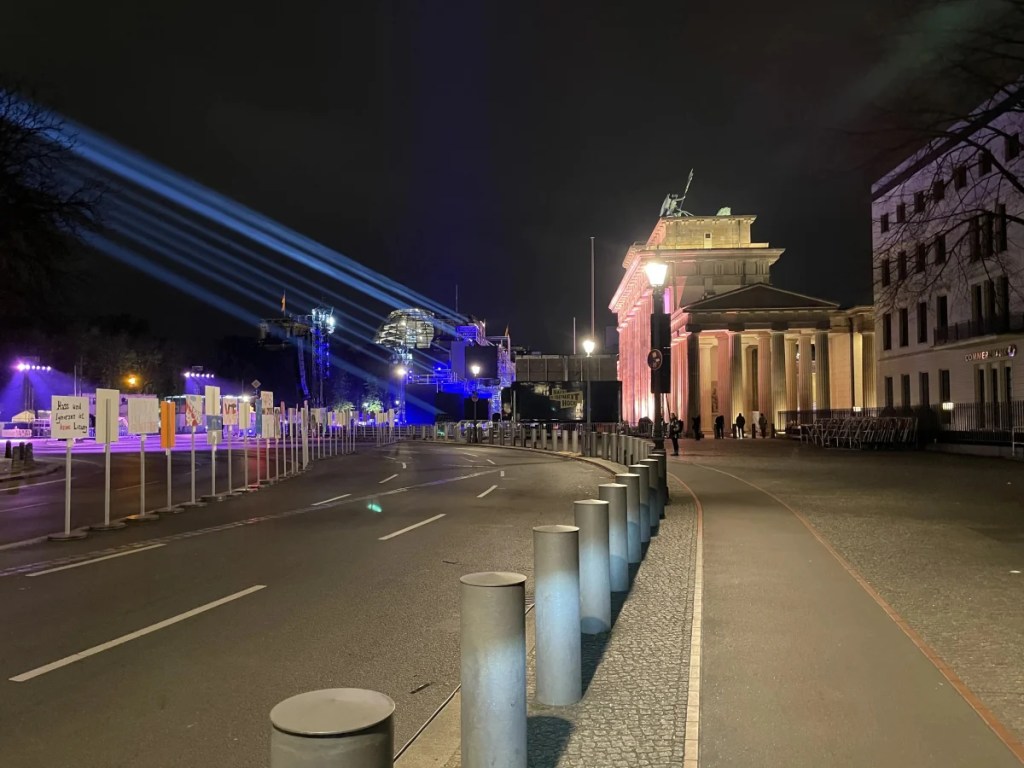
(441, 363)
(293, 330)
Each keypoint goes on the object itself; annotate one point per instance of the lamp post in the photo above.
(475, 369)
(588, 346)
(656, 359)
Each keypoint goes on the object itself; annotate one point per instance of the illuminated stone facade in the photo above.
(737, 341)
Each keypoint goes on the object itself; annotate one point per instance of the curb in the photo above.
(567, 456)
(51, 468)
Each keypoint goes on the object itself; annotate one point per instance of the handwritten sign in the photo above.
(193, 410)
(69, 417)
(267, 423)
(230, 412)
(143, 415)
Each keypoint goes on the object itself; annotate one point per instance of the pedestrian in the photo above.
(674, 430)
(740, 424)
(719, 427)
(763, 424)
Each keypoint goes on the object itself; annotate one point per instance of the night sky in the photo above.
(482, 144)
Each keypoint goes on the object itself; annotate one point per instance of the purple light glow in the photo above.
(30, 367)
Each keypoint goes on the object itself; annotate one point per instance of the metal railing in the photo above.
(972, 329)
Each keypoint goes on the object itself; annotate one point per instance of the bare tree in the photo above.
(954, 211)
(44, 206)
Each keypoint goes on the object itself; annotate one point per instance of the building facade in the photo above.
(739, 344)
(949, 270)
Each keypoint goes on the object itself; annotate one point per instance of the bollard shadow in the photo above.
(546, 739)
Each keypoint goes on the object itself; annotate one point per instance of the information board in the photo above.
(69, 417)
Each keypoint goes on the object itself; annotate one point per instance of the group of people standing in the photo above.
(675, 429)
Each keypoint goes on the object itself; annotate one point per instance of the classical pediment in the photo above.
(758, 297)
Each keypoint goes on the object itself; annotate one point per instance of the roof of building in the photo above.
(760, 296)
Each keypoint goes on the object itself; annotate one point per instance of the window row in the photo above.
(985, 164)
(986, 237)
(923, 389)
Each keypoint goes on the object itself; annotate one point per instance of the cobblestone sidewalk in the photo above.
(633, 711)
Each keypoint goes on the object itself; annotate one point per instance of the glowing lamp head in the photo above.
(132, 380)
(475, 369)
(656, 272)
(401, 371)
(589, 345)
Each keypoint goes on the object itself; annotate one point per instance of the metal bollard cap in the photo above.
(332, 712)
(493, 579)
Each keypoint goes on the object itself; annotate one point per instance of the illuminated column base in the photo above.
(493, 670)
(334, 728)
(645, 489)
(556, 550)
(615, 495)
(595, 572)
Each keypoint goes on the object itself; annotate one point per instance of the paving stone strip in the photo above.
(633, 711)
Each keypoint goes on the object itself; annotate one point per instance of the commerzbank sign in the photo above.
(991, 354)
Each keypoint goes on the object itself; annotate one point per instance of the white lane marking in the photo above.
(95, 560)
(391, 477)
(468, 453)
(489, 461)
(28, 485)
(503, 473)
(411, 527)
(333, 498)
(132, 487)
(481, 495)
(25, 676)
(404, 466)
(26, 506)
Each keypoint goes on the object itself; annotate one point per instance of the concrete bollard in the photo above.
(634, 552)
(333, 728)
(595, 571)
(556, 574)
(493, 670)
(645, 510)
(575, 441)
(533, 438)
(653, 494)
(615, 495)
(565, 439)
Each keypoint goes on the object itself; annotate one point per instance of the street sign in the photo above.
(474, 397)
(212, 404)
(214, 427)
(193, 410)
(143, 415)
(266, 424)
(244, 414)
(69, 417)
(256, 383)
(654, 359)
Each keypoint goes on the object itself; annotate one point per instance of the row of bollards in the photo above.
(576, 570)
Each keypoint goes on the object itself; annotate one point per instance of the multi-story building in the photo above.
(949, 269)
(739, 344)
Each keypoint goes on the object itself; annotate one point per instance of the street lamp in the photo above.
(589, 345)
(656, 272)
(475, 370)
(401, 372)
(132, 380)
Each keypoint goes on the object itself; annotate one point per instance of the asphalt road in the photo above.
(297, 597)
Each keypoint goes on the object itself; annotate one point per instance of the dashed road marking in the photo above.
(333, 498)
(25, 676)
(411, 527)
(386, 479)
(481, 495)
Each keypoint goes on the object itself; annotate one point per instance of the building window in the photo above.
(922, 323)
(924, 396)
(974, 238)
(888, 391)
(939, 189)
(886, 275)
(1012, 144)
(905, 390)
(919, 202)
(940, 249)
(901, 213)
(984, 163)
(988, 235)
(901, 265)
(883, 223)
(887, 331)
(945, 394)
(941, 312)
(920, 258)
(904, 327)
(1000, 228)
(960, 177)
